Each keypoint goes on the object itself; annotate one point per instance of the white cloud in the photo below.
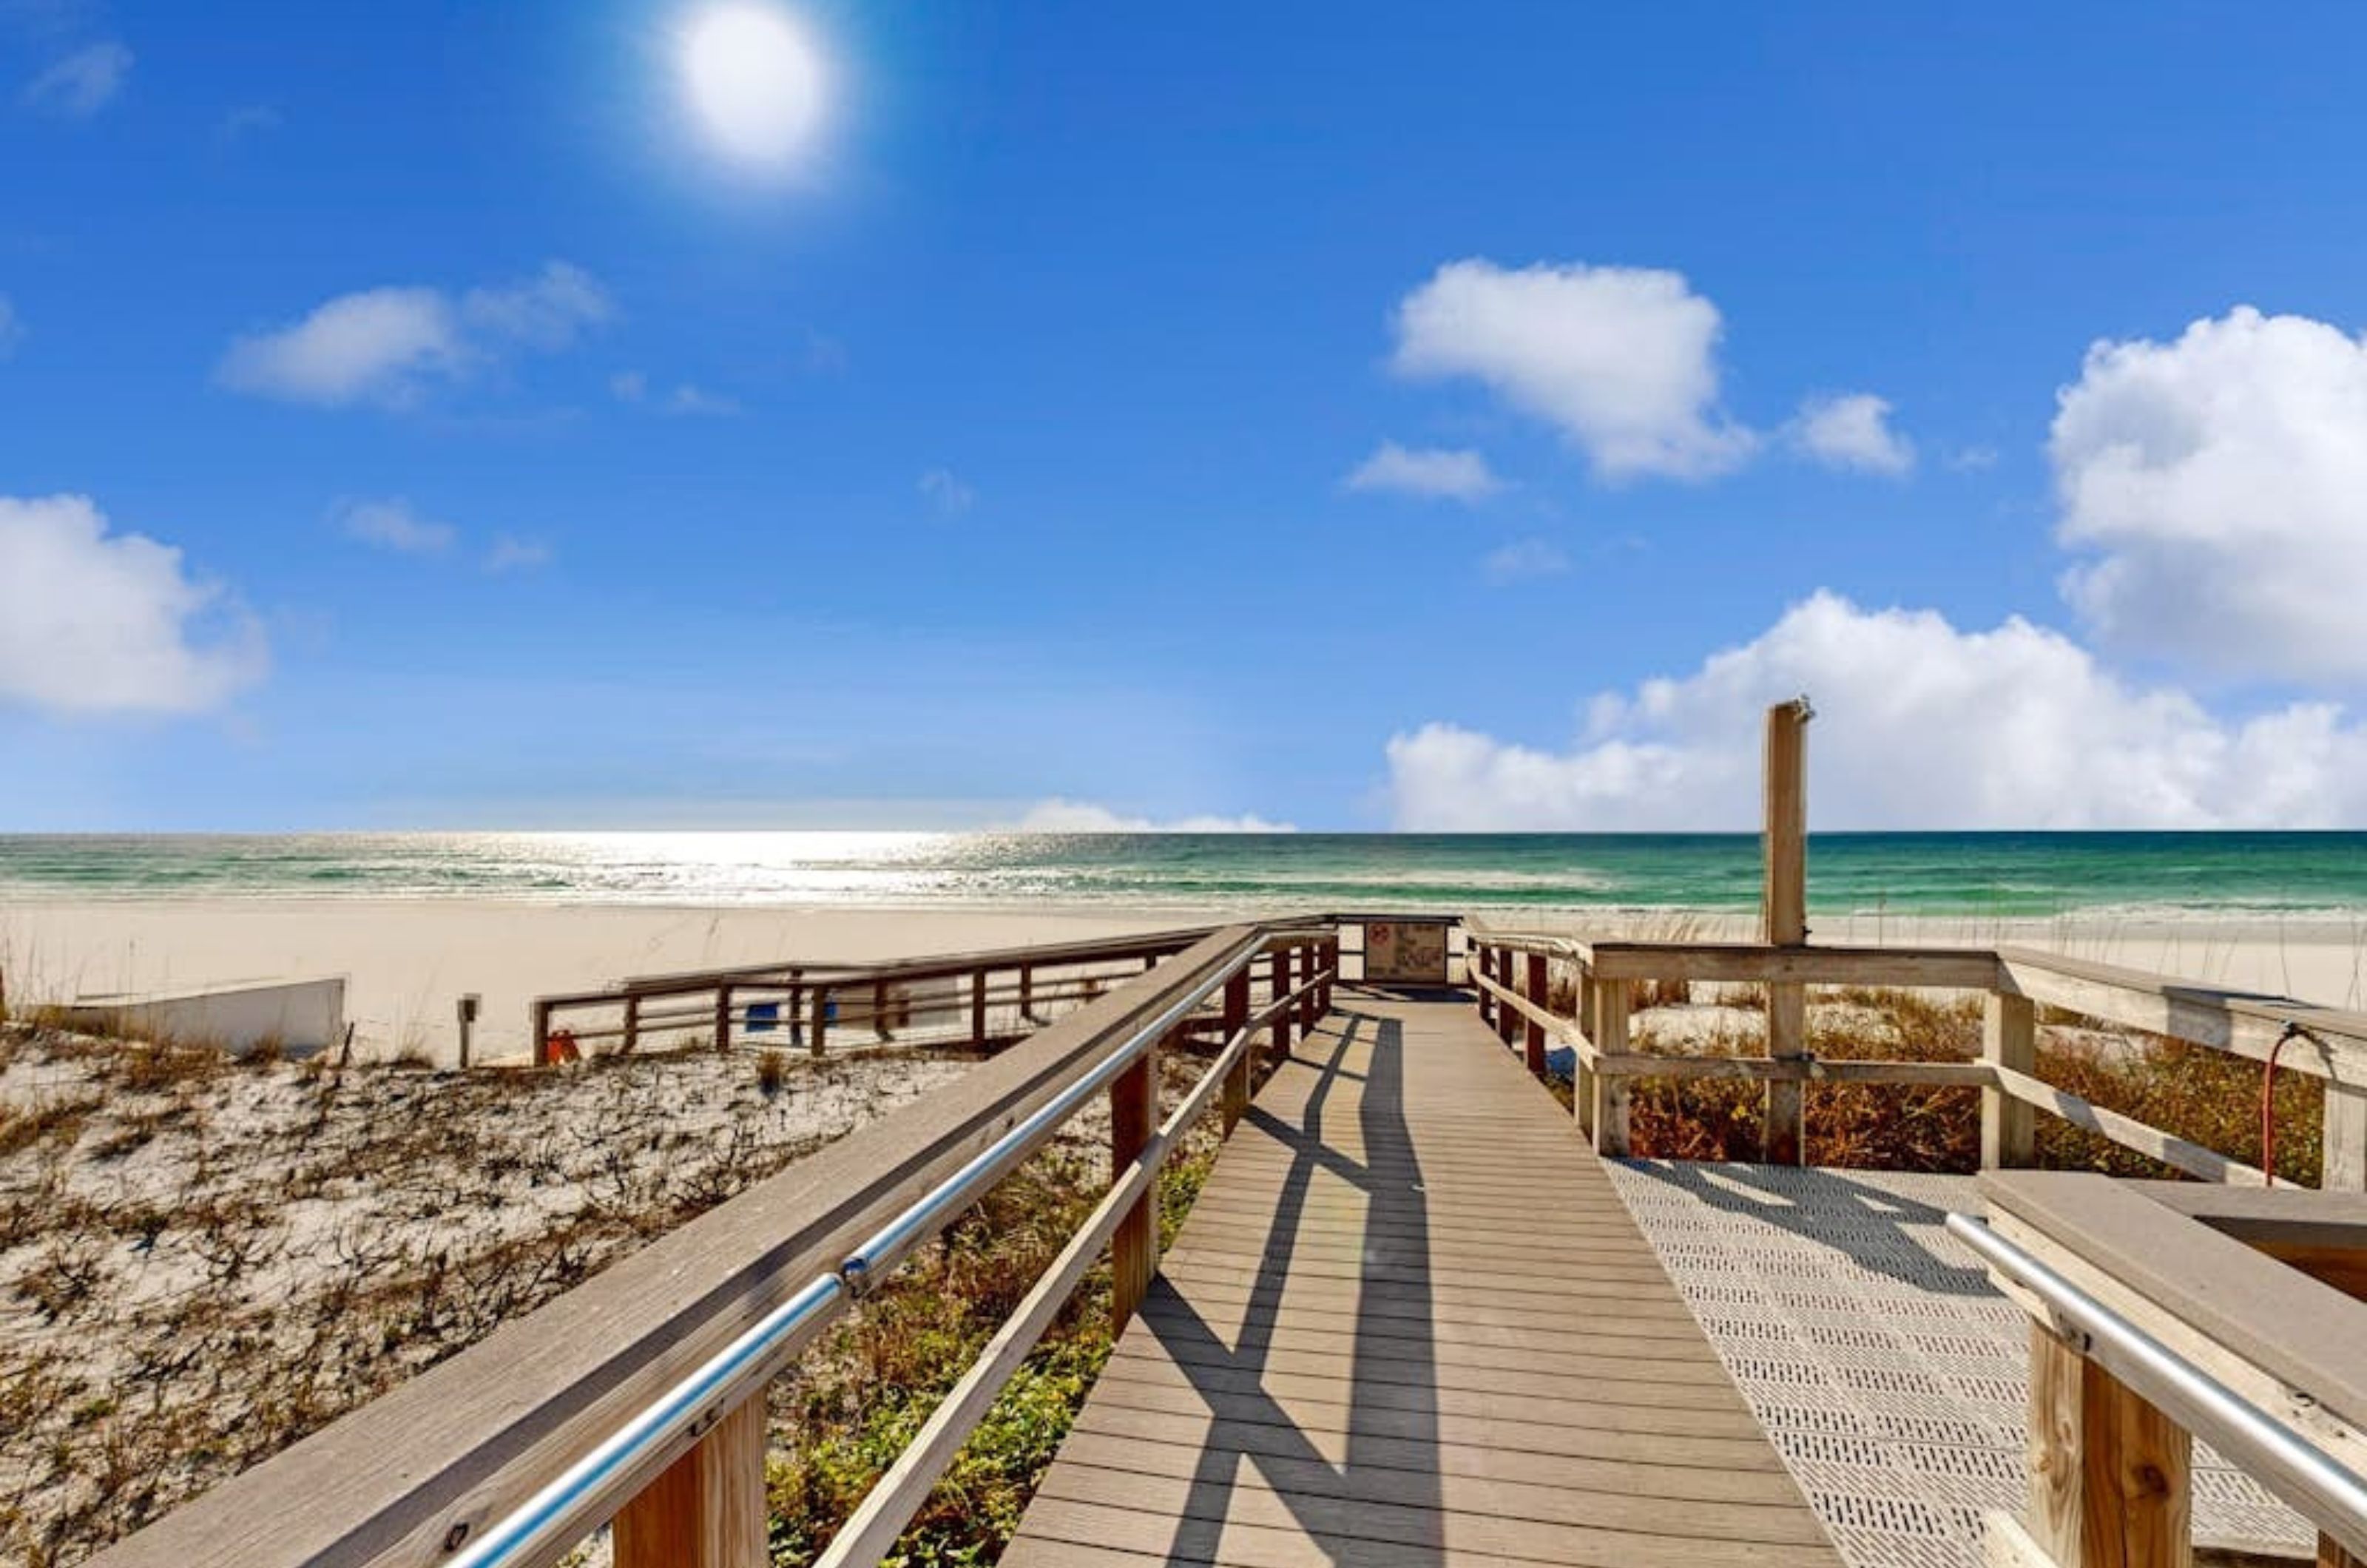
(1452, 474)
(632, 387)
(547, 312)
(698, 402)
(1622, 360)
(389, 346)
(94, 622)
(1523, 559)
(391, 525)
(2221, 482)
(82, 82)
(945, 492)
(1919, 725)
(1852, 431)
(511, 554)
(1060, 816)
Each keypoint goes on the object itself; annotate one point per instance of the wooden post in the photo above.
(1134, 1247)
(1307, 1016)
(1581, 1085)
(1536, 1039)
(540, 1030)
(880, 1008)
(2109, 1472)
(632, 1024)
(2332, 1553)
(1331, 971)
(977, 1008)
(1785, 903)
(1237, 1013)
(707, 1509)
(1487, 998)
(2345, 1165)
(1280, 971)
(796, 1007)
(1613, 1000)
(821, 1005)
(1508, 1017)
(2009, 1039)
(1027, 993)
(723, 1017)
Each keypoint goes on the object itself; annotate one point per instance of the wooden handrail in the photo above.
(407, 1479)
(2242, 1024)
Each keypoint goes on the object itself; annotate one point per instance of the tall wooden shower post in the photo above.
(1784, 908)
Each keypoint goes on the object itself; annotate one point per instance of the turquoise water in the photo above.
(1993, 874)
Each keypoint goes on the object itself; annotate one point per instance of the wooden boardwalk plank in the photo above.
(1409, 1324)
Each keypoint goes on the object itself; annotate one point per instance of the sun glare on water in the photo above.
(754, 83)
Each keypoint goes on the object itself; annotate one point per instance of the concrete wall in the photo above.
(302, 1015)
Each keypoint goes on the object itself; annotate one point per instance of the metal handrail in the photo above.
(569, 1508)
(559, 1515)
(2270, 1450)
(875, 1257)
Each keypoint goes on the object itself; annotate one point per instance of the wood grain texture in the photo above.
(707, 1509)
(2010, 1040)
(1409, 1324)
(1134, 1247)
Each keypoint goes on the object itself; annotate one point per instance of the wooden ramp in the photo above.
(1410, 1323)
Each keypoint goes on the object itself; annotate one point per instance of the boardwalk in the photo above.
(1410, 1323)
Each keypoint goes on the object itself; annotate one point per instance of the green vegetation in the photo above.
(854, 1403)
(2206, 1096)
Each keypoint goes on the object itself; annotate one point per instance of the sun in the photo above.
(754, 83)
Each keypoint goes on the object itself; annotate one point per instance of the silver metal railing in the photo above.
(595, 1486)
(591, 1490)
(878, 1257)
(2329, 1493)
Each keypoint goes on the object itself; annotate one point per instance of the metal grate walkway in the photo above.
(1408, 1322)
(1891, 1375)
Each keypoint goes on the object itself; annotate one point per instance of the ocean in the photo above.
(1982, 875)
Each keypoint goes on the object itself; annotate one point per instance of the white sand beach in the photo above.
(407, 963)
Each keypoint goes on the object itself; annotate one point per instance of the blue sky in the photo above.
(1344, 416)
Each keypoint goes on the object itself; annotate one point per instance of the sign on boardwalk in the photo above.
(1406, 952)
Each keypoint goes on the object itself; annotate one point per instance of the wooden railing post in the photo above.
(1237, 1014)
(723, 1017)
(1134, 1247)
(1536, 1036)
(1508, 1017)
(1487, 998)
(1330, 972)
(977, 1008)
(1785, 906)
(1279, 969)
(632, 1024)
(2344, 1168)
(1581, 1085)
(796, 1007)
(540, 1030)
(1613, 999)
(707, 1509)
(1027, 993)
(2009, 1039)
(880, 1008)
(1308, 1016)
(822, 1006)
(2109, 1472)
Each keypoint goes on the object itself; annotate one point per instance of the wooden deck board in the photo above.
(1409, 1324)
